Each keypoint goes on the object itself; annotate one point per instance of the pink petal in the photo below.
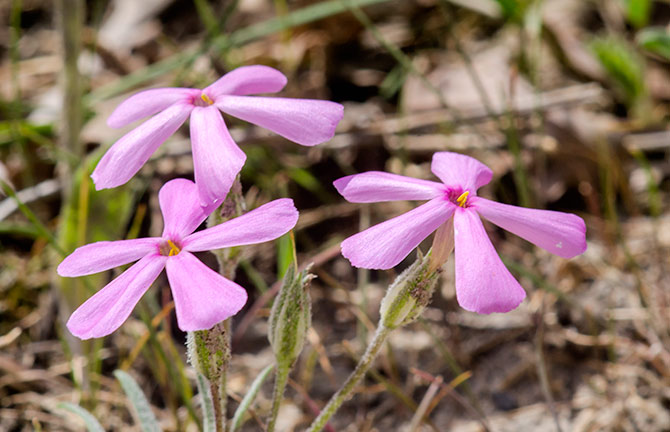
(202, 297)
(180, 205)
(457, 170)
(375, 186)
(216, 158)
(148, 102)
(247, 80)
(105, 255)
(383, 246)
(562, 234)
(483, 283)
(128, 154)
(110, 307)
(265, 223)
(305, 121)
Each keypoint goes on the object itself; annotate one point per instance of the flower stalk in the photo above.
(289, 321)
(281, 379)
(345, 391)
(404, 302)
(212, 347)
(209, 354)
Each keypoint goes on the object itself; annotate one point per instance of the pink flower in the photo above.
(483, 283)
(202, 297)
(216, 157)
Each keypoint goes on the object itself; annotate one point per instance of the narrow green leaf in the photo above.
(221, 43)
(249, 397)
(138, 401)
(514, 10)
(208, 422)
(393, 82)
(24, 230)
(92, 424)
(285, 254)
(624, 67)
(655, 40)
(207, 16)
(37, 224)
(307, 180)
(292, 19)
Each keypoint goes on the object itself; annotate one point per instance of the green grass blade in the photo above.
(623, 66)
(285, 254)
(293, 19)
(23, 230)
(207, 16)
(139, 402)
(249, 397)
(39, 226)
(221, 43)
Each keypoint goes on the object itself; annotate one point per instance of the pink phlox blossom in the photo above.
(202, 297)
(216, 157)
(483, 283)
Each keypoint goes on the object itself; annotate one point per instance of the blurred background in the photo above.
(566, 100)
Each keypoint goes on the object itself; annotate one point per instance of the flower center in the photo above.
(458, 197)
(203, 101)
(462, 200)
(169, 248)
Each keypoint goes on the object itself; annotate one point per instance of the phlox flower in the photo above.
(483, 283)
(216, 157)
(202, 297)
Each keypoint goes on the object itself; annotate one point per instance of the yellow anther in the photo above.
(461, 200)
(174, 250)
(206, 99)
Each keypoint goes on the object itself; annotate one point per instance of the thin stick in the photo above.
(425, 403)
(542, 370)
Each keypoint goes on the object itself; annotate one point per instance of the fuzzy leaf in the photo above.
(249, 397)
(208, 420)
(139, 402)
(92, 424)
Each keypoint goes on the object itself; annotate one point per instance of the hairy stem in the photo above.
(216, 397)
(345, 391)
(223, 382)
(281, 379)
(227, 259)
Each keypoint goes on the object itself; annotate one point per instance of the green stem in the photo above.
(281, 379)
(345, 391)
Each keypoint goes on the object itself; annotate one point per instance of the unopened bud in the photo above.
(409, 294)
(208, 351)
(291, 317)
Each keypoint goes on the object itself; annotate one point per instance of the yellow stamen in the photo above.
(461, 200)
(206, 99)
(174, 250)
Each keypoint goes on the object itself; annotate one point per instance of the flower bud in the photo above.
(409, 294)
(208, 351)
(291, 317)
